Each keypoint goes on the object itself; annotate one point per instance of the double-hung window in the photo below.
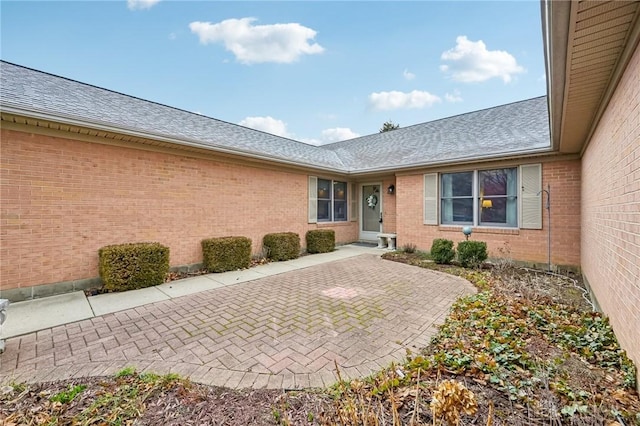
(457, 198)
(481, 197)
(498, 202)
(332, 201)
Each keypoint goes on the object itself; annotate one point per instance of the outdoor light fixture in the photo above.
(391, 189)
(467, 231)
(487, 204)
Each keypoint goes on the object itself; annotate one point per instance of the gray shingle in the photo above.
(45, 93)
(514, 128)
(518, 127)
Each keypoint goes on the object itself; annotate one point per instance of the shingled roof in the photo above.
(517, 128)
(513, 129)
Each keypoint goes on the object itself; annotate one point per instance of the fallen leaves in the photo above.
(500, 358)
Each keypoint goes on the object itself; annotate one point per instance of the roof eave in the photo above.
(576, 104)
(74, 121)
(555, 33)
(511, 155)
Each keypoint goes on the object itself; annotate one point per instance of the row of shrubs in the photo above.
(470, 254)
(138, 265)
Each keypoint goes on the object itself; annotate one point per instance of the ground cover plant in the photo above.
(526, 349)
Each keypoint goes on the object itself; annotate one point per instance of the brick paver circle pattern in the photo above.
(285, 330)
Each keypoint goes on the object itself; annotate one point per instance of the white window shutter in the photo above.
(353, 205)
(431, 199)
(313, 199)
(531, 196)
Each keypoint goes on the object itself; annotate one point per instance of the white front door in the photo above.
(370, 211)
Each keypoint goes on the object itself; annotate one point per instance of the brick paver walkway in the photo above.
(281, 331)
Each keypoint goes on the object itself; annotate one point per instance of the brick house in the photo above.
(83, 167)
(593, 75)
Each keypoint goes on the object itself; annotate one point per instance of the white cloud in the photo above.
(470, 61)
(173, 36)
(398, 100)
(338, 134)
(453, 97)
(279, 128)
(267, 124)
(141, 4)
(283, 43)
(408, 75)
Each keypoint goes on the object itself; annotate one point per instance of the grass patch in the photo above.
(118, 401)
(67, 396)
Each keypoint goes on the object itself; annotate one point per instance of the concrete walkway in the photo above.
(274, 326)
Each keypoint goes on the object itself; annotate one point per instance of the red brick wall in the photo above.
(611, 210)
(523, 244)
(64, 199)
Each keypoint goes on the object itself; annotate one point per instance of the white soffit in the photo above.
(601, 34)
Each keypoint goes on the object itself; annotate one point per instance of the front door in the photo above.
(370, 212)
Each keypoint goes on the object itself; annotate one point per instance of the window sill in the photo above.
(331, 224)
(480, 230)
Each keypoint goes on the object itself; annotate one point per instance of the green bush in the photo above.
(226, 253)
(281, 246)
(442, 251)
(471, 254)
(131, 266)
(321, 240)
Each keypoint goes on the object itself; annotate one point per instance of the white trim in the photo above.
(475, 196)
(71, 121)
(463, 160)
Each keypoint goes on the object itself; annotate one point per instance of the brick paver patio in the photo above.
(282, 331)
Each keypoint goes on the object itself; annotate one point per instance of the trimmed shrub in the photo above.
(321, 240)
(226, 254)
(131, 266)
(281, 246)
(442, 251)
(471, 254)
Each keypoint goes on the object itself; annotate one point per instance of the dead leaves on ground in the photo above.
(451, 399)
(529, 358)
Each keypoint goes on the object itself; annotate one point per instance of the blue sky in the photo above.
(312, 71)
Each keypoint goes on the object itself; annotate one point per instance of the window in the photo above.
(457, 198)
(332, 201)
(485, 198)
(498, 200)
